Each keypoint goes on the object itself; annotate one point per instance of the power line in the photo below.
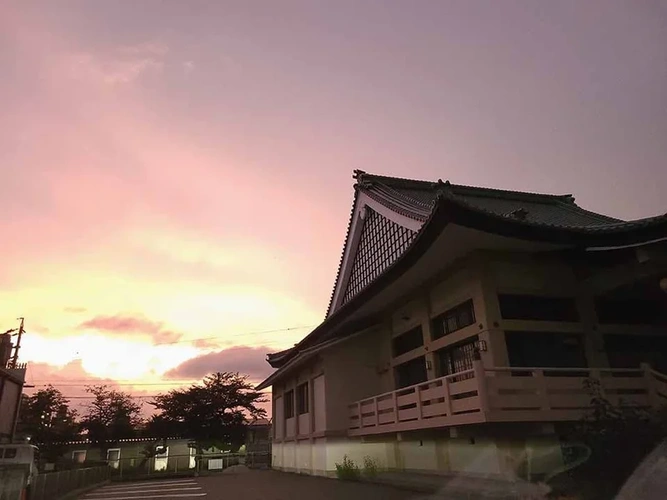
(70, 383)
(109, 382)
(238, 334)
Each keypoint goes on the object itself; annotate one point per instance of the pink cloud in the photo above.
(250, 361)
(120, 324)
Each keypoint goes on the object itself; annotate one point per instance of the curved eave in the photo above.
(342, 257)
(449, 211)
(618, 233)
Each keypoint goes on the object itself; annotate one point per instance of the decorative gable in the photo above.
(382, 241)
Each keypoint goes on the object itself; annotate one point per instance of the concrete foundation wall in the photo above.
(482, 456)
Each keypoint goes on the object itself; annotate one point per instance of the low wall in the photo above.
(481, 457)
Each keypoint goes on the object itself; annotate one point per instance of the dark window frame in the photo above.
(453, 319)
(531, 307)
(407, 370)
(302, 399)
(407, 341)
(288, 404)
(610, 311)
(457, 357)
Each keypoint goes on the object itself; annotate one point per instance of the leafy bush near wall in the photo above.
(347, 470)
(370, 469)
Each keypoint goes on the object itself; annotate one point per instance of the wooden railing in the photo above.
(504, 394)
(450, 400)
(548, 394)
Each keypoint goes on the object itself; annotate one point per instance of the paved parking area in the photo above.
(250, 485)
(274, 485)
(146, 490)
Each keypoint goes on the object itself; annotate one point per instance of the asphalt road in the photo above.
(249, 485)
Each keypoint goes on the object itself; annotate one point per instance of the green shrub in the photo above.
(347, 470)
(370, 467)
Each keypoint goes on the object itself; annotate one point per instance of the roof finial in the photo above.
(519, 213)
(356, 174)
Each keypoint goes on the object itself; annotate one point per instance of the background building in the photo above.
(12, 380)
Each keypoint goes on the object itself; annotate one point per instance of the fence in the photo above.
(13, 478)
(183, 465)
(54, 485)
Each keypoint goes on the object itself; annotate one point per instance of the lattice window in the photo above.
(382, 242)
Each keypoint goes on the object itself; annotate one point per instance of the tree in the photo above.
(47, 418)
(111, 416)
(618, 437)
(214, 413)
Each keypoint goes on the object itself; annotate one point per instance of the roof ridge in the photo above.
(604, 219)
(391, 182)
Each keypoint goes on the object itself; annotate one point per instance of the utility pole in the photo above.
(15, 358)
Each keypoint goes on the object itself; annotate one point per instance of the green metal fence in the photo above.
(55, 485)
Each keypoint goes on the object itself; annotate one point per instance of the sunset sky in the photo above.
(177, 175)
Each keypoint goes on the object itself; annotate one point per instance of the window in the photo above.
(533, 307)
(456, 359)
(288, 401)
(628, 351)
(411, 373)
(454, 319)
(545, 349)
(9, 453)
(192, 462)
(113, 457)
(629, 312)
(302, 398)
(79, 456)
(161, 459)
(408, 341)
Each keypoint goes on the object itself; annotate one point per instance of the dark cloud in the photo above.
(120, 324)
(250, 361)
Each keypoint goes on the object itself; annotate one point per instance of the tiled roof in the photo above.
(553, 210)
(416, 199)
(554, 218)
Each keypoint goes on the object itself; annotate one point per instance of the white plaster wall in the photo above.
(304, 454)
(480, 458)
(289, 455)
(381, 452)
(418, 455)
(319, 452)
(277, 455)
(545, 454)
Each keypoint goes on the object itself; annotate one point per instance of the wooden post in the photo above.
(538, 375)
(361, 418)
(480, 376)
(295, 412)
(419, 402)
(377, 414)
(311, 404)
(448, 400)
(596, 375)
(394, 400)
(649, 380)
